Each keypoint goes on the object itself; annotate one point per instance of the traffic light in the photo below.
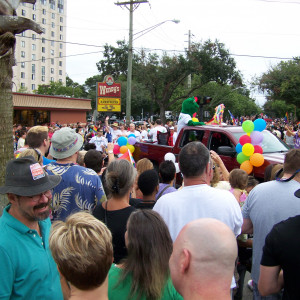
(207, 100)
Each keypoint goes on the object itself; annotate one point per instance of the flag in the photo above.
(286, 118)
(95, 129)
(128, 156)
(232, 117)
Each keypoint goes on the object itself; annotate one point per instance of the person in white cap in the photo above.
(80, 188)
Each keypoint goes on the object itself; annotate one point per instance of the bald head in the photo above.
(204, 251)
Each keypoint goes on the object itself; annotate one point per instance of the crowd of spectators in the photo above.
(83, 223)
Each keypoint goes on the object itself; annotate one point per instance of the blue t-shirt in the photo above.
(79, 190)
(27, 269)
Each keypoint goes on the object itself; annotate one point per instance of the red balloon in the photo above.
(244, 139)
(116, 149)
(258, 149)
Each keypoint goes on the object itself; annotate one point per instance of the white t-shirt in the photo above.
(153, 132)
(136, 133)
(144, 135)
(100, 142)
(199, 201)
(175, 135)
(183, 121)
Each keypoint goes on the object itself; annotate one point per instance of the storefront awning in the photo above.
(49, 102)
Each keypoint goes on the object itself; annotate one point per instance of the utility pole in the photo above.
(132, 6)
(189, 79)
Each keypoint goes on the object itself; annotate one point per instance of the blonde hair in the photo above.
(36, 153)
(80, 157)
(82, 249)
(143, 164)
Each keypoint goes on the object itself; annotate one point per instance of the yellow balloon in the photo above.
(246, 166)
(123, 149)
(131, 148)
(257, 160)
(248, 149)
(195, 120)
(248, 133)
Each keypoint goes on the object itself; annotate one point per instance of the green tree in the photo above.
(278, 108)
(282, 82)
(74, 89)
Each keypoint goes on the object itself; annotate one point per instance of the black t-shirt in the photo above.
(282, 248)
(116, 221)
(145, 204)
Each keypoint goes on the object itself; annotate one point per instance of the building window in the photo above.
(33, 7)
(44, 2)
(44, 30)
(60, 63)
(23, 75)
(52, 52)
(61, 28)
(43, 11)
(33, 76)
(43, 49)
(52, 4)
(52, 43)
(61, 19)
(60, 54)
(23, 33)
(33, 87)
(33, 37)
(53, 25)
(60, 72)
(33, 56)
(43, 20)
(52, 70)
(22, 64)
(43, 70)
(60, 45)
(33, 46)
(23, 44)
(51, 79)
(33, 17)
(43, 59)
(33, 68)
(61, 37)
(60, 6)
(43, 78)
(52, 61)
(23, 12)
(43, 40)
(53, 15)
(22, 85)
(23, 54)
(52, 33)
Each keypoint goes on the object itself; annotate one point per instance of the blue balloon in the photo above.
(122, 141)
(238, 148)
(131, 134)
(259, 124)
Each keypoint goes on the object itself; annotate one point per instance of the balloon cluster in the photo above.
(249, 148)
(124, 144)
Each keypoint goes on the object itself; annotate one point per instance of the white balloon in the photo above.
(170, 156)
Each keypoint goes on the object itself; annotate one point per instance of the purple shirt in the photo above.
(170, 189)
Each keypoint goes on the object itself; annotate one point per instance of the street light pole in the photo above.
(129, 71)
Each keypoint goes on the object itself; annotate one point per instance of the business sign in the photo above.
(109, 104)
(108, 95)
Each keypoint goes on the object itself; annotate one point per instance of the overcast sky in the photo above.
(246, 27)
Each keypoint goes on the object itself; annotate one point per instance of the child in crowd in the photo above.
(238, 180)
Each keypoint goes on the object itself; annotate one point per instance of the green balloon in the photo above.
(248, 126)
(241, 157)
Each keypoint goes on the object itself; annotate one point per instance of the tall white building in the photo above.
(41, 58)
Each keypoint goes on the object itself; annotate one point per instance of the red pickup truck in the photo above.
(221, 139)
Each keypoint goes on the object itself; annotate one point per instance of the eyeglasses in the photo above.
(38, 197)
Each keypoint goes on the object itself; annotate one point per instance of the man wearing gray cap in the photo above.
(80, 188)
(27, 269)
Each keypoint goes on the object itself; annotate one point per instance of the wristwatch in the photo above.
(110, 151)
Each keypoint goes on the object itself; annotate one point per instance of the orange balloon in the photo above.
(257, 160)
(123, 149)
(246, 166)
